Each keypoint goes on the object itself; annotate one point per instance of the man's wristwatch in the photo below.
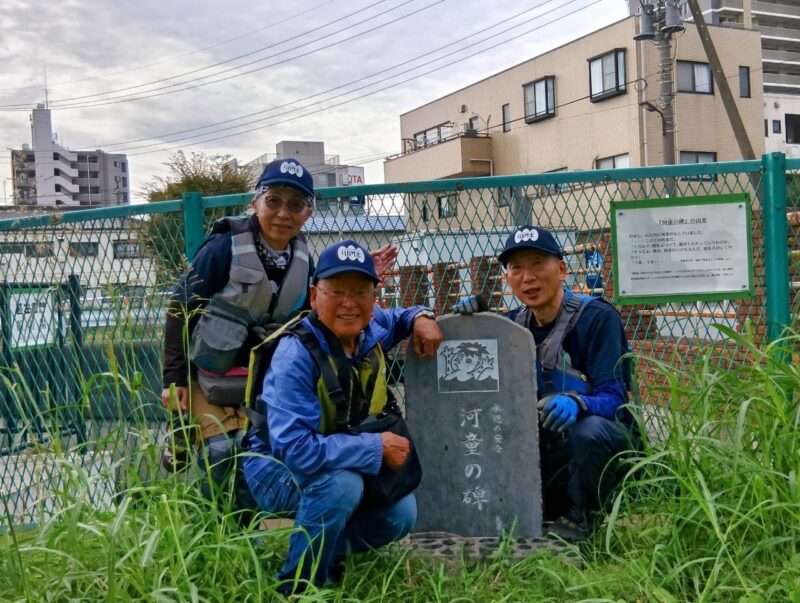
(424, 314)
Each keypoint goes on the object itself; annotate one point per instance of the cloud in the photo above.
(85, 46)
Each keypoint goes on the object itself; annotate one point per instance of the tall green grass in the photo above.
(709, 512)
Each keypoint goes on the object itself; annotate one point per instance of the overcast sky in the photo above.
(340, 72)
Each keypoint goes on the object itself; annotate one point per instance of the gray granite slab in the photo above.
(472, 414)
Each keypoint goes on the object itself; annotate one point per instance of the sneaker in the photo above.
(572, 527)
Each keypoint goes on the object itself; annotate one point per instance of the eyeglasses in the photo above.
(295, 205)
(337, 295)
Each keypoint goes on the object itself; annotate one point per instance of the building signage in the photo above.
(32, 313)
(682, 250)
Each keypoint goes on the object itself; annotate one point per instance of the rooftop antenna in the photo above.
(46, 104)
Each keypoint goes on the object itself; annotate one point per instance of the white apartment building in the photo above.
(326, 170)
(46, 174)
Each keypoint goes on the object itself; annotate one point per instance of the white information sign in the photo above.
(689, 249)
(32, 313)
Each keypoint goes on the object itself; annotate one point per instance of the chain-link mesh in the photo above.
(83, 295)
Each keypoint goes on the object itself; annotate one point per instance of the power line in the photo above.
(289, 104)
(368, 93)
(176, 57)
(99, 102)
(297, 101)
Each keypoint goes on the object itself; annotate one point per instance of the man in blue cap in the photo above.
(251, 275)
(582, 379)
(306, 431)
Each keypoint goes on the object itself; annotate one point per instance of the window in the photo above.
(446, 205)
(94, 190)
(94, 174)
(124, 197)
(92, 158)
(539, 99)
(695, 78)
(555, 188)
(81, 158)
(323, 205)
(124, 182)
(12, 248)
(83, 249)
(508, 195)
(612, 163)
(56, 156)
(83, 190)
(116, 164)
(475, 123)
(426, 213)
(744, 82)
(39, 250)
(56, 172)
(698, 157)
(506, 118)
(776, 126)
(124, 167)
(766, 128)
(58, 188)
(607, 75)
(83, 174)
(126, 250)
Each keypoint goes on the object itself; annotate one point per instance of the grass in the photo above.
(710, 512)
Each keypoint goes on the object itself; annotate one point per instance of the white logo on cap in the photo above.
(292, 168)
(526, 235)
(352, 253)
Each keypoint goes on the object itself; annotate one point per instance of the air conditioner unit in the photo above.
(464, 127)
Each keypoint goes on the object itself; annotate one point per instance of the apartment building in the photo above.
(46, 174)
(778, 22)
(326, 170)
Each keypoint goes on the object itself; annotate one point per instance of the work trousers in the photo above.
(575, 464)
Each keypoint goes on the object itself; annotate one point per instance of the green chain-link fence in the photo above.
(83, 294)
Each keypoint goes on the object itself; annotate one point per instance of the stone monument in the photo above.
(472, 414)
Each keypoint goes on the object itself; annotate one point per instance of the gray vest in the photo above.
(247, 303)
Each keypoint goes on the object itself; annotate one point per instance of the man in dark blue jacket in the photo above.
(582, 379)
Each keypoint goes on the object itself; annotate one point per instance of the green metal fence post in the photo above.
(776, 255)
(192, 223)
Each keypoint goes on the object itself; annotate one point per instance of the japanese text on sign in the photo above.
(664, 250)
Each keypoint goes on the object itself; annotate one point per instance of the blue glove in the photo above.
(558, 412)
(470, 305)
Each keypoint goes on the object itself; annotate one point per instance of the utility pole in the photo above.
(658, 23)
(745, 148)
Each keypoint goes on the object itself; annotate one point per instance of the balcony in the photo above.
(762, 10)
(782, 57)
(774, 82)
(461, 156)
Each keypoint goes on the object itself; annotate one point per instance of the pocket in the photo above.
(216, 341)
(222, 390)
(245, 287)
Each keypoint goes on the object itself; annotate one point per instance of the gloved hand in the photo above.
(558, 412)
(470, 305)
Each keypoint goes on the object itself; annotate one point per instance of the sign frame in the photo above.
(733, 198)
(50, 291)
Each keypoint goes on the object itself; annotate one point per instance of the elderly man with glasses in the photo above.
(251, 275)
(310, 412)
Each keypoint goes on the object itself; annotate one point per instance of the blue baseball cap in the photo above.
(286, 172)
(345, 256)
(530, 237)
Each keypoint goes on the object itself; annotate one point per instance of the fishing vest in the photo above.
(247, 302)
(554, 372)
(347, 392)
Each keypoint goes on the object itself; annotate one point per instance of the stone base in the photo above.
(450, 546)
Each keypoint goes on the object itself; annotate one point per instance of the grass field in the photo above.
(710, 512)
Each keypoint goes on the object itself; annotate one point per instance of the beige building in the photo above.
(576, 107)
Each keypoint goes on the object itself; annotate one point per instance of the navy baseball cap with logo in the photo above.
(286, 172)
(530, 237)
(345, 256)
